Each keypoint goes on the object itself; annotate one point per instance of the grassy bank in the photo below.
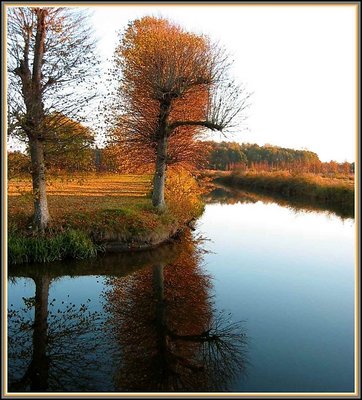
(91, 213)
(60, 246)
(335, 192)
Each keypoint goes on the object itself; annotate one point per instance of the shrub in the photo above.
(183, 194)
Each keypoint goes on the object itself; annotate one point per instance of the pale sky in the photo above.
(299, 62)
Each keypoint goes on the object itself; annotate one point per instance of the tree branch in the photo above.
(206, 124)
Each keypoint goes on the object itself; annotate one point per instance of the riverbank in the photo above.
(97, 213)
(324, 191)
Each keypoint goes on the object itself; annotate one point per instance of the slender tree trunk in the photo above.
(98, 159)
(41, 211)
(34, 127)
(158, 194)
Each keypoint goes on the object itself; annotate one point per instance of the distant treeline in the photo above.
(81, 159)
(86, 159)
(226, 156)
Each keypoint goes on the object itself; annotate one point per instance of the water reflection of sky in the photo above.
(291, 277)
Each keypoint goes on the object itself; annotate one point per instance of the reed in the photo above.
(302, 186)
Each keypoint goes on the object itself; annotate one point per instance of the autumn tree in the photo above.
(18, 163)
(69, 146)
(173, 87)
(51, 66)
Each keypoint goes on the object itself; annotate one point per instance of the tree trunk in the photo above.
(37, 374)
(40, 363)
(41, 212)
(34, 127)
(159, 293)
(163, 352)
(158, 194)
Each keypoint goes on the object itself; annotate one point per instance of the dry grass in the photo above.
(320, 178)
(322, 190)
(97, 203)
(82, 184)
(326, 180)
(79, 193)
(89, 209)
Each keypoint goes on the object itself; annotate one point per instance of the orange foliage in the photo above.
(161, 316)
(174, 298)
(159, 59)
(183, 193)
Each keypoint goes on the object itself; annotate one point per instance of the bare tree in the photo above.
(51, 66)
(173, 85)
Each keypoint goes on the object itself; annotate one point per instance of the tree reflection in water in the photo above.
(230, 195)
(170, 336)
(52, 349)
(159, 330)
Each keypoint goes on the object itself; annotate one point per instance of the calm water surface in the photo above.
(260, 298)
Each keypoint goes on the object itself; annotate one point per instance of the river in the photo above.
(259, 298)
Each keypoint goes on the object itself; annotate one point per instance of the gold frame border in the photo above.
(4, 392)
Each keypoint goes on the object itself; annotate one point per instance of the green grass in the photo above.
(68, 244)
